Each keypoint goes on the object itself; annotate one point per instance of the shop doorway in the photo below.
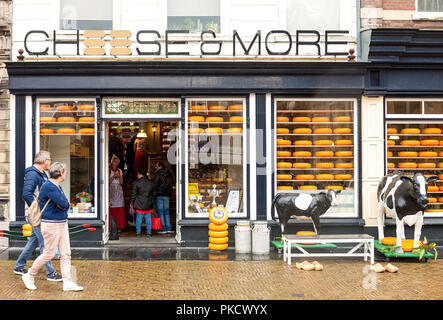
(133, 147)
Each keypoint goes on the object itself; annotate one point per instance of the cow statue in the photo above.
(303, 205)
(403, 199)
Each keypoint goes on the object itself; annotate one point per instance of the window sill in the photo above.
(427, 16)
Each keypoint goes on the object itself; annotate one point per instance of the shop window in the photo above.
(405, 108)
(141, 107)
(216, 159)
(318, 15)
(86, 15)
(315, 150)
(67, 131)
(194, 15)
(433, 107)
(430, 5)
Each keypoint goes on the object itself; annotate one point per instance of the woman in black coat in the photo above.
(142, 200)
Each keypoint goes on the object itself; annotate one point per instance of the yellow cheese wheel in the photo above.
(432, 199)
(217, 247)
(235, 130)
(214, 119)
(48, 119)
(66, 131)
(196, 119)
(65, 108)
(301, 119)
(410, 131)
(390, 154)
(302, 142)
(324, 154)
(304, 177)
(320, 119)
(407, 154)
(282, 142)
(195, 130)
(214, 130)
(86, 119)
(302, 130)
(85, 107)
(391, 131)
(342, 130)
(45, 107)
(65, 119)
(86, 131)
(323, 130)
(391, 165)
(343, 176)
(283, 153)
(410, 143)
(427, 165)
(407, 165)
(285, 188)
(325, 176)
(433, 189)
(307, 188)
(323, 142)
(282, 130)
(302, 154)
(429, 142)
(440, 164)
(46, 131)
(304, 165)
(198, 108)
(284, 165)
(217, 108)
(440, 177)
(342, 119)
(236, 119)
(282, 119)
(334, 187)
(440, 199)
(306, 233)
(235, 107)
(223, 240)
(284, 177)
(432, 131)
(440, 188)
(344, 165)
(324, 165)
(427, 154)
(391, 142)
(441, 142)
(343, 142)
(434, 210)
(343, 153)
(389, 241)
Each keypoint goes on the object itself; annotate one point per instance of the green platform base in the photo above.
(279, 245)
(380, 246)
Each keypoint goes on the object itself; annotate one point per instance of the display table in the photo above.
(364, 240)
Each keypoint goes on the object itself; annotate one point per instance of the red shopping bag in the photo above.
(156, 224)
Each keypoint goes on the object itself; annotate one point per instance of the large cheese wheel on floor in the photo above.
(429, 142)
(283, 153)
(343, 142)
(282, 130)
(214, 130)
(302, 165)
(342, 119)
(284, 177)
(407, 154)
(235, 130)
(86, 119)
(214, 119)
(343, 153)
(410, 142)
(86, 131)
(217, 108)
(324, 165)
(235, 107)
(282, 142)
(307, 188)
(426, 165)
(302, 154)
(410, 131)
(66, 131)
(236, 119)
(301, 119)
(432, 131)
(389, 241)
(407, 165)
(302, 130)
(85, 107)
(391, 142)
(325, 176)
(284, 165)
(343, 176)
(196, 119)
(285, 188)
(48, 119)
(334, 187)
(344, 165)
(323, 142)
(323, 131)
(302, 142)
(65, 108)
(46, 131)
(321, 119)
(199, 108)
(324, 153)
(342, 130)
(65, 119)
(195, 130)
(391, 131)
(282, 119)
(304, 177)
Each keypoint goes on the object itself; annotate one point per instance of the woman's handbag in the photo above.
(34, 213)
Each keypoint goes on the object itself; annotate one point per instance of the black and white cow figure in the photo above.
(405, 200)
(303, 205)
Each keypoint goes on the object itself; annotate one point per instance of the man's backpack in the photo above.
(34, 213)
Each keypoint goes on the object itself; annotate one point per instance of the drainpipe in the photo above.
(358, 30)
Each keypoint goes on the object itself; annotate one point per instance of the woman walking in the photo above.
(142, 200)
(116, 198)
(54, 228)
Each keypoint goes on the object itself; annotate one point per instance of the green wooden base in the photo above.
(279, 245)
(394, 254)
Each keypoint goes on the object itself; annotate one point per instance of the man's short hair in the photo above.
(42, 156)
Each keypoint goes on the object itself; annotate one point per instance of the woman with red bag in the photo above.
(142, 200)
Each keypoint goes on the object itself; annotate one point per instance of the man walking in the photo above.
(35, 177)
(163, 185)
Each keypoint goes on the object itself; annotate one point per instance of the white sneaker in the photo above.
(71, 286)
(29, 281)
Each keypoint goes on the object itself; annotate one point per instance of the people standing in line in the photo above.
(116, 197)
(142, 200)
(35, 177)
(117, 147)
(163, 183)
(54, 227)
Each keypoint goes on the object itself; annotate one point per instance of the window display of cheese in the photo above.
(214, 130)
(66, 131)
(410, 131)
(283, 153)
(391, 165)
(343, 142)
(407, 165)
(344, 165)
(282, 130)
(343, 153)
(282, 142)
(302, 130)
(236, 119)
(391, 142)
(284, 177)
(342, 130)
(65, 108)
(433, 188)
(299, 165)
(214, 119)
(46, 131)
(323, 130)
(320, 119)
(323, 142)
(343, 176)
(391, 131)
(45, 107)
(235, 107)
(86, 119)
(301, 119)
(301, 154)
(307, 188)
(407, 154)
(334, 187)
(304, 177)
(410, 143)
(218, 108)
(432, 131)
(390, 154)
(324, 165)
(282, 119)
(235, 130)
(324, 153)
(429, 142)
(285, 188)
(426, 165)
(342, 119)
(85, 107)
(198, 108)
(196, 119)
(325, 176)
(65, 119)
(302, 142)
(48, 119)
(284, 165)
(88, 131)
(427, 154)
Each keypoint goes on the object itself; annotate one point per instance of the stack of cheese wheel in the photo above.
(218, 229)
(306, 233)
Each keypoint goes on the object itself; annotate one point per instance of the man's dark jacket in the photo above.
(33, 179)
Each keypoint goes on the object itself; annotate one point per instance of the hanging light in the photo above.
(141, 134)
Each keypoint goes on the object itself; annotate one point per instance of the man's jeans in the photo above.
(35, 240)
(162, 206)
(139, 220)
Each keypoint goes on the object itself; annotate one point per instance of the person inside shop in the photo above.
(163, 183)
(116, 198)
(130, 158)
(141, 156)
(117, 148)
(142, 200)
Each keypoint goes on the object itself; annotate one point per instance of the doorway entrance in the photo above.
(141, 150)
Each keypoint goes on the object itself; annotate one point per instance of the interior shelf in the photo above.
(313, 111)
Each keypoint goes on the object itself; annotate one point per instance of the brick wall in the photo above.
(398, 4)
